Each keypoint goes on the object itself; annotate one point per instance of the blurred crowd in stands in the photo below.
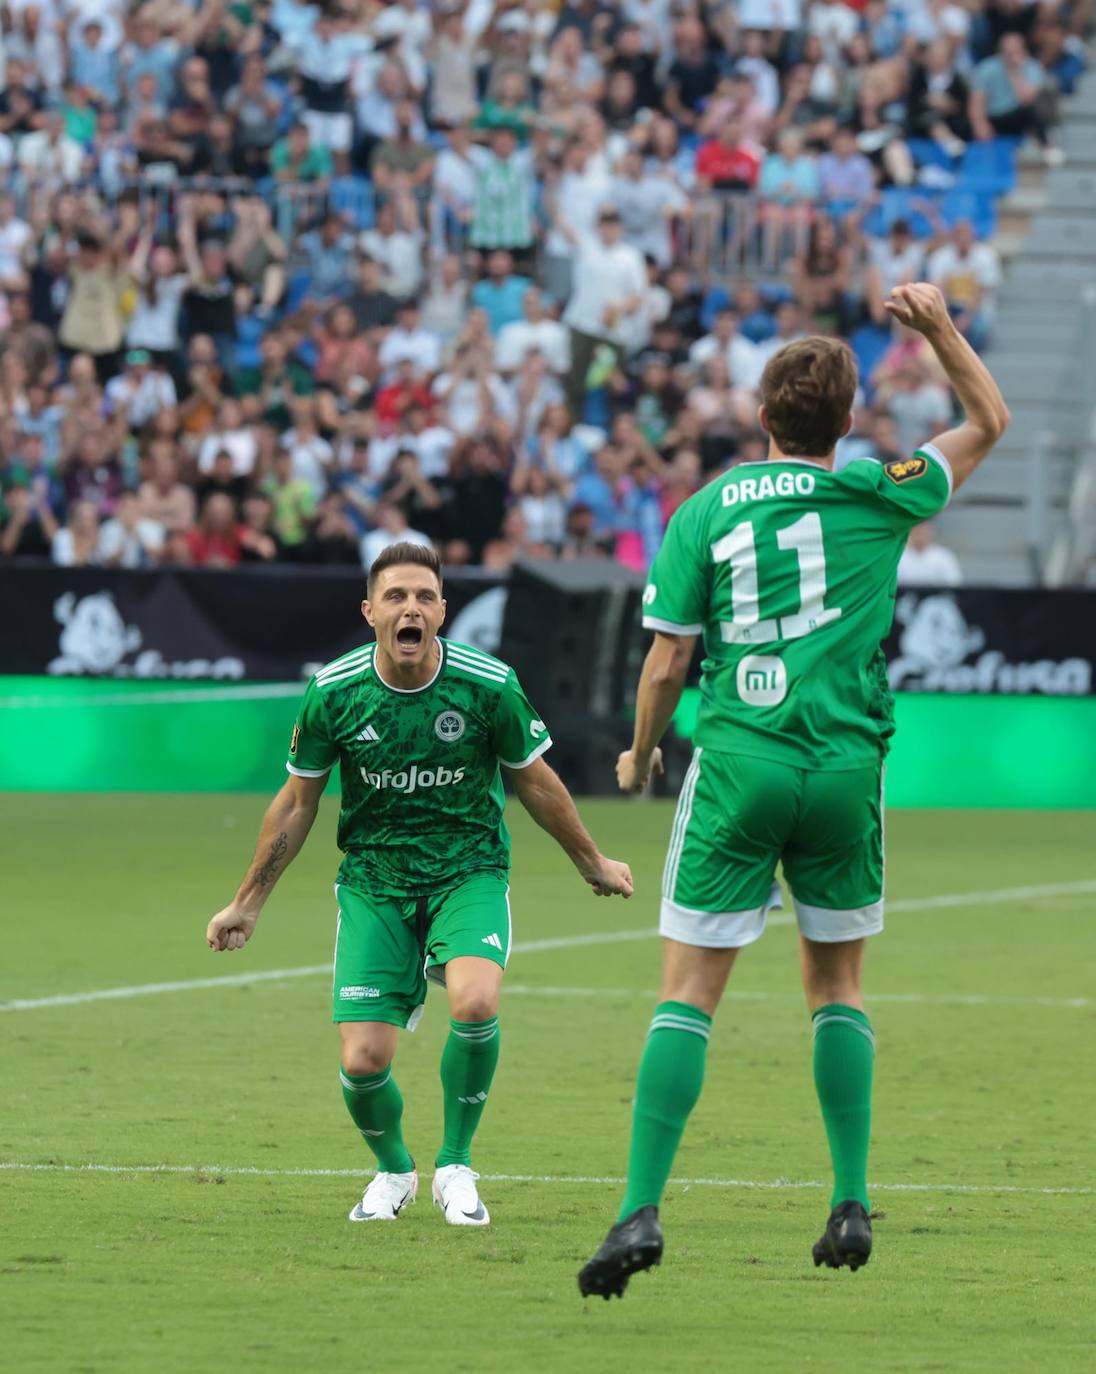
(282, 281)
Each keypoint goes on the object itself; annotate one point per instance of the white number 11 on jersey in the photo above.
(738, 549)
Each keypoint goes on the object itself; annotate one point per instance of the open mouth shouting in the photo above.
(409, 640)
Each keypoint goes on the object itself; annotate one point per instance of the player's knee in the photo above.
(475, 1004)
(365, 1057)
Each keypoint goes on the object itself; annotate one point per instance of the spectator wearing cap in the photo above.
(142, 390)
(502, 215)
(501, 291)
(610, 282)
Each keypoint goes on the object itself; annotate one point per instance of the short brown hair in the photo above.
(807, 390)
(404, 552)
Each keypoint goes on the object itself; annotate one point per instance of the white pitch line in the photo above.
(775, 1184)
(239, 980)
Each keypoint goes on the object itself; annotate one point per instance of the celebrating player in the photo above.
(419, 726)
(787, 569)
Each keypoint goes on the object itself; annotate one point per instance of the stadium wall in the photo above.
(70, 734)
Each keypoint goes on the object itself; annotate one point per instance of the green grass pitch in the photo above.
(983, 1133)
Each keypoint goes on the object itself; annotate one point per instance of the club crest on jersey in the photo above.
(906, 469)
(449, 726)
(295, 740)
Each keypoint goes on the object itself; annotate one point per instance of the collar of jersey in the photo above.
(412, 691)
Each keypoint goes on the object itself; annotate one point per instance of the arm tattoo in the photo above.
(268, 869)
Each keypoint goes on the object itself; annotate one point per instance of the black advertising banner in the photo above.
(279, 624)
(978, 641)
(266, 624)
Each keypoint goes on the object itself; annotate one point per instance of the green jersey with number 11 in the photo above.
(788, 571)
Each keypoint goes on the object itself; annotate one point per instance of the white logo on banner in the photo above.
(95, 639)
(937, 641)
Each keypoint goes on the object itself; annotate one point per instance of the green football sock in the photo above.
(376, 1104)
(668, 1085)
(844, 1055)
(467, 1068)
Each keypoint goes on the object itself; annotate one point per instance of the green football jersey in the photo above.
(788, 571)
(422, 796)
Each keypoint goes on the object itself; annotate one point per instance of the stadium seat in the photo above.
(249, 331)
(926, 152)
(977, 205)
(900, 202)
(990, 166)
(353, 196)
(869, 343)
(715, 300)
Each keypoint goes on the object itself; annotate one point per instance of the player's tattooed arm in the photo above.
(285, 828)
(265, 873)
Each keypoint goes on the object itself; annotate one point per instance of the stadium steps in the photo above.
(1002, 520)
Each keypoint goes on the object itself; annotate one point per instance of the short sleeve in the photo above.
(312, 752)
(520, 736)
(676, 595)
(914, 488)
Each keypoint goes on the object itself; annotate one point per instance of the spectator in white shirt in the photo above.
(128, 539)
(610, 284)
(311, 457)
(14, 236)
(926, 563)
(737, 351)
(894, 261)
(142, 390)
(578, 192)
(48, 155)
(537, 330)
(230, 436)
(408, 340)
(396, 242)
(968, 273)
(392, 528)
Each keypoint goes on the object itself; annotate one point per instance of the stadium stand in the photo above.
(283, 282)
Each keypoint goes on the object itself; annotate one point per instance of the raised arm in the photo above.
(549, 803)
(922, 307)
(284, 830)
(660, 686)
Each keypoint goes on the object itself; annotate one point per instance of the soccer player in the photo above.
(787, 570)
(419, 726)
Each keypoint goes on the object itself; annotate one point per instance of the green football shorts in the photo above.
(387, 947)
(738, 817)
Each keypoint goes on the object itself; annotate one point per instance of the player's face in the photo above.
(406, 611)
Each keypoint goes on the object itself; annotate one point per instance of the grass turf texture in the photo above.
(207, 1271)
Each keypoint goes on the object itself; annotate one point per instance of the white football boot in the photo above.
(386, 1197)
(455, 1193)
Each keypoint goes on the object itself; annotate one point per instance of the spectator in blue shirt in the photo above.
(94, 66)
(1007, 93)
(330, 258)
(501, 292)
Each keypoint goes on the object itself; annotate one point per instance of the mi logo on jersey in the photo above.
(369, 735)
(492, 940)
(906, 469)
(449, 726)
(295, 740)
(762, 680)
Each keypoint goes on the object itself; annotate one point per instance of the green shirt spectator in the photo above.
(295, 159)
